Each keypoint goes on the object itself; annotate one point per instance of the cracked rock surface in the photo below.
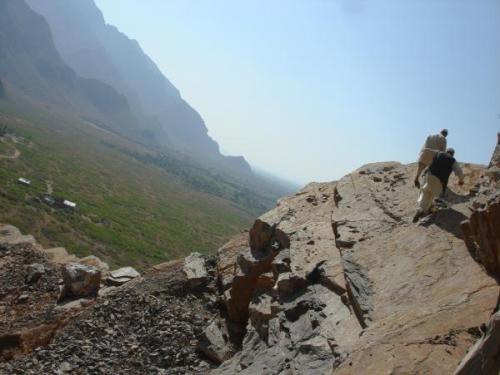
(358, 288)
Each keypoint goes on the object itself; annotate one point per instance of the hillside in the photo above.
(30, 62)
(97, 50)
(140, 199)
(334, 280)
(129, 212)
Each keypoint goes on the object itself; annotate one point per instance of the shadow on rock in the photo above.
(454, 198)
(447, 219)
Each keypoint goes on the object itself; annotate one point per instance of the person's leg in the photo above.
(435, 186)
(425, 198)
(421, 166)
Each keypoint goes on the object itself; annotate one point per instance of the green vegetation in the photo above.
(4, 129)
(248, 192)
(131, 208)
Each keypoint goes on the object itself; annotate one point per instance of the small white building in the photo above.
(69, 204)
(24, 181)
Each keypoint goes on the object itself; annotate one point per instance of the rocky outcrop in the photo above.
(480, 230)
(484, 356)
(482, 236)
(338, 280)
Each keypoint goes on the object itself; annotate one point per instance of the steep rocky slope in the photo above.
(336, 279)
(356, 288)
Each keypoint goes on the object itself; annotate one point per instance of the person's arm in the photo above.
(458, 172)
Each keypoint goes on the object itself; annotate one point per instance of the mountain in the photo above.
(30, 62)
(100, 51)
(140, 198)
(335, 280)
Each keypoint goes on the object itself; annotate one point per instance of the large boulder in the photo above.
(80, 280)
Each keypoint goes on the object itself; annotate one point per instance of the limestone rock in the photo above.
(196, 270)
(96, 262)
(13, 236)
(214, 342)
(80, 280)
(122, 276)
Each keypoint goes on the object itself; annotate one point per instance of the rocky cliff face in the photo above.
(335, 280)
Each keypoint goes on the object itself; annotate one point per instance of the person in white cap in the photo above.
(433, 144)
(437, 180)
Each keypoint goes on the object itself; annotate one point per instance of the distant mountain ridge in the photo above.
(100, 51)
(30, 62)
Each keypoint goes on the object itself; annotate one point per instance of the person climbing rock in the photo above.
(436, 182)
(433, 144)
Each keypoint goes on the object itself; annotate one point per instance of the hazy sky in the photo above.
(311, 90)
